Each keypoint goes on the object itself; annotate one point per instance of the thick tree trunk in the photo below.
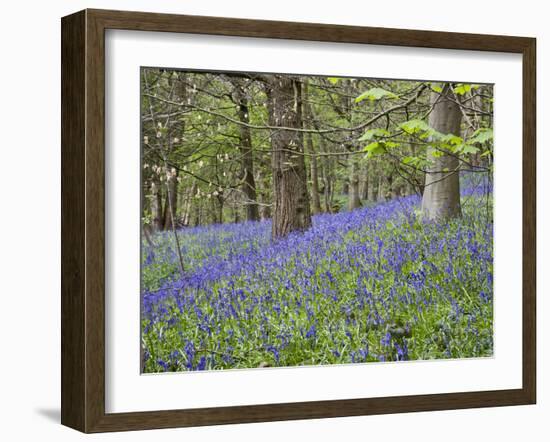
(247, 158)
(441, 199)
(290, 196)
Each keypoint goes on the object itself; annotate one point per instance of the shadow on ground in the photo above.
(51, 414)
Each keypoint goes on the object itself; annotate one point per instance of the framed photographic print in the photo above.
(266, 221)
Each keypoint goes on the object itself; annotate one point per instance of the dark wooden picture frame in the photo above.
(83, 220)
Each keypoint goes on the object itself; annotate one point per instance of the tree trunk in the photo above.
(156, 207)
(315, 200)
(364, 185)
(247, 158)
(263, 179)
(441, 199)
(190, 194)
(290, 197)
(326, 174)
(354, 200)
(218, 206)
(310, 149)
(171, 206)
(381, 188)
(372, 190)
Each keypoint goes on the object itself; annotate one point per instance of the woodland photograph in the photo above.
(297, 220)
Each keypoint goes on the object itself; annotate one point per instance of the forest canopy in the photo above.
(233, 146)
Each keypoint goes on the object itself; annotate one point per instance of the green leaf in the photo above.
(374, 148)
(462, 88)
(481, 135)
(333, 80)
(434, 87)
(451, 139)
(468, 148)
(372, 133)
(378, 147)
(416, 126)
(376, 93)
(410, 160)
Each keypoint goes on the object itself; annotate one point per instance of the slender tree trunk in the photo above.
(326, 174)
(190, 194)
(364, 185)
(247, 158)
(310, 149)
(381, 188)
(354, 200)
(156, 207)
(220, 204)
(372, 189)
(290, 196)
(171, 205)
(441, 199)
(315, 199)
(265, 208)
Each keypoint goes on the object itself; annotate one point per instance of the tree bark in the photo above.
(441, 199)
(247, 158)
(310, 148)
(354, 200)
(291, 210)
(364, 184)
(315, 199)
(381, 187)
(171, 205)
(156, 207)
(326, 174)
(265, 200)
(190, 194)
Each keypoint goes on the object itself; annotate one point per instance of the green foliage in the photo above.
(417, 127)
(378, 147)
(416, 161)
(463, 88)
(481, 135)
(374, 133)
(468, 148)
(374, 94)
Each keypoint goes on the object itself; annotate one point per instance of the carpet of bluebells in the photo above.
(374, 284)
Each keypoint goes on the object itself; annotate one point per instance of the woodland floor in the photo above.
(374, 284)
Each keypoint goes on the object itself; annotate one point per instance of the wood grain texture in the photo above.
(73, 128)
(83, 220)
(529, 220)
